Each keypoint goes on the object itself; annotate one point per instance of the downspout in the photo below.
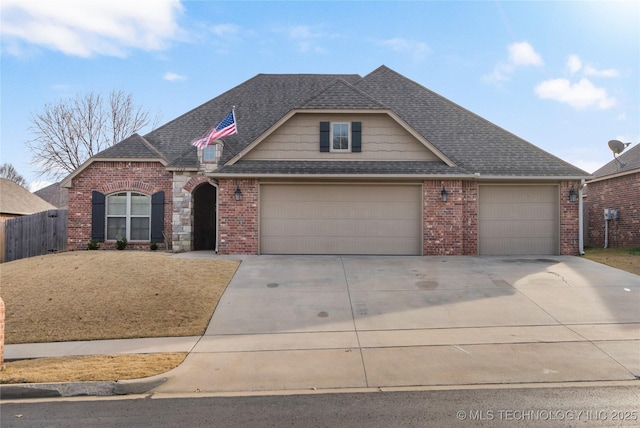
(580, 219)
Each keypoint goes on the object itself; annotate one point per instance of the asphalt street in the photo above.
(517, 407)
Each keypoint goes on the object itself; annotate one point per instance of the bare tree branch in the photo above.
(8, 171)
(70, 131)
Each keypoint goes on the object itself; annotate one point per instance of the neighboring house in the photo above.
(616, 186)
(16, 201)
(55, 195)
(329, 164)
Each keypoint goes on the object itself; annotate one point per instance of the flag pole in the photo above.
(233, 111)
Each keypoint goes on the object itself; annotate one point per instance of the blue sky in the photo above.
(563, 75)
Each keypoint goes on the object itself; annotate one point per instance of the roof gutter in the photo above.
(474, 177)
(616, 175)
(333, 176)
(480, 177)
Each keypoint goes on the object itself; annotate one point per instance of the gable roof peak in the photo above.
(341, 95)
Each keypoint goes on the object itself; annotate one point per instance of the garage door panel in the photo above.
(526, 230)
(339, 245)
(516, 246)
(522, 211)
(340, 219)
(518, 220)
(316, 227)
(518, 194)
(328, 210)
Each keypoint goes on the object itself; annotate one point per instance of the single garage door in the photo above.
(340, 219)
(518, 220)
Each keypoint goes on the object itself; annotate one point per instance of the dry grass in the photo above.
(627, 259)
(91, 368)
(91, 295)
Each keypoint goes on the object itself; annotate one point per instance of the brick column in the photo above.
(238, 220)
(443, 221)
(569, 223)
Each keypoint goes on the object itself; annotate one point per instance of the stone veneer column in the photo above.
(182, 233)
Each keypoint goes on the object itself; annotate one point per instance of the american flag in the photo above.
(227, 126)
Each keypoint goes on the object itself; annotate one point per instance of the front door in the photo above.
(204, 217)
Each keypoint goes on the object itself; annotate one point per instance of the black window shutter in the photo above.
(324, 136)
(157, 216)
(97, 216)
(356, 137)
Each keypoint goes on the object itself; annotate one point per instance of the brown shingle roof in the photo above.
(15, 199)
(474, 144)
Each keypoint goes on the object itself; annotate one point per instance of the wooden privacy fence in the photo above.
(33, 235)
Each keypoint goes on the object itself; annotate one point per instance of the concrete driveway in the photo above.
(324, 322)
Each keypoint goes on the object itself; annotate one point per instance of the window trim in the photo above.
(213, 147)
(331, 148)
(128, 215)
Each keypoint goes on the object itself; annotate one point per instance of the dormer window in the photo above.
(209, 154)
(340, 137)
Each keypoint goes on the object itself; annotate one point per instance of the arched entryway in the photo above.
(204, 217)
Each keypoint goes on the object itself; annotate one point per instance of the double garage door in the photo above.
(340, 219)
(387, 219)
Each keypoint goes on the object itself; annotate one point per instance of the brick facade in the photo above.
(449, 228)
(110, 177)
(470, 218)
(569, 224)
(442, 221)
(621, 193)
(238, 220)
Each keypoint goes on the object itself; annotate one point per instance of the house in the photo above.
(16, 201)
(329, 164)
(55, 195)
(616, 187)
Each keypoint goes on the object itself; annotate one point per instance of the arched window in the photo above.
(128, 216)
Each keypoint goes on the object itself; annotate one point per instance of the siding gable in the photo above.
(381, 138)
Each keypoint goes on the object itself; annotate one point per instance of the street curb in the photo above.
(75, 389)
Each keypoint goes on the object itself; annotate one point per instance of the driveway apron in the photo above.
(325, 322)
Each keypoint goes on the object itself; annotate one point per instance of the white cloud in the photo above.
(523, 54)
(173, 77)
(227, 36)
(610, 72)
(574, 64)
(225, 30)
(416, 49)
(87, 28)
(578, 95)
(308, 38)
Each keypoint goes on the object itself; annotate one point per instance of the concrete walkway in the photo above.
(328, 322)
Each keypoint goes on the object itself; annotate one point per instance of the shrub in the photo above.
(93, 245)
(121, 244)
(153, 246)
